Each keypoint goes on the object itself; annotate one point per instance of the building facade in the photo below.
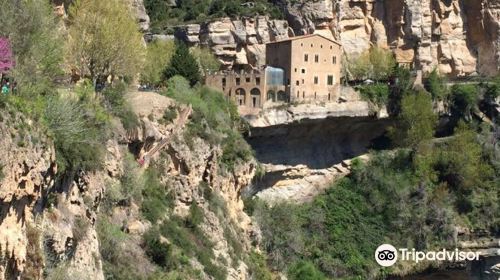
(298, 69)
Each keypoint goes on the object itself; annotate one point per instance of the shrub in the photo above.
(160, 252)
(258, 267)
(436, 85)
(377, 93)
(463, 99)
(304, 270)
(157, 198)
(77, 131)
(114, 96)
(196, 215)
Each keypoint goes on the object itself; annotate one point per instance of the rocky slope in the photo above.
(459, 37)
(50, 226)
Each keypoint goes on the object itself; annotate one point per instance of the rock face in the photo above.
(237, 43)
(458, 37)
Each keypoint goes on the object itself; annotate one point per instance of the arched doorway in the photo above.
(271, 95)
(282, 96)
(255, 97)
(240, 97)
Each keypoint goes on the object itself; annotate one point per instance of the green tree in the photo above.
(416, 122)
(382, 63)
(305, 270)
(104, 40)
(31, 28)
(183, 63)
(435, 84)
(206, 59)
(158, 55)
(464, 100)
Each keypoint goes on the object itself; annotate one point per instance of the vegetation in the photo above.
(376, 64)
(435, 84)
(31, 29)
(206, 59)
(103, 40)
(214, 120)
(463, 99)
(162, 15)
(183, 63)
(416, 122)
(158, 55)
(377, 93)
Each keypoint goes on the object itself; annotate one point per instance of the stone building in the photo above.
(299, 69)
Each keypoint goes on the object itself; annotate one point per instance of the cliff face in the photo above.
(457, 36)
(50, 225)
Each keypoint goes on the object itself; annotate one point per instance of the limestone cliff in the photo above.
(49, 224)
(457, 36)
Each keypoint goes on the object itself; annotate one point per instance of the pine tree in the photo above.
(183, 63)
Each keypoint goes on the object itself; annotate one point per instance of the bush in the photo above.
(463, 99)
(78, 132)
(377, 93)
(114, 96)
(158, 56)
(160, 252)
(436, 85)
(157, 198)
(304, 270)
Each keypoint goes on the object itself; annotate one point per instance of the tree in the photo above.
(183, 63)
(31, 29)
(464, 100)
(416, 122)
(382, 63)
(206, 59)
(104, 40)
(435, 84)
(158, 55)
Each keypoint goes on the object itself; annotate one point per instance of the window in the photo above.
(314, 95)
(257, 81)
(321, 46)
(330, 80)
(301, 44)
(238, 82)
(334, 60)
(331, 47)
(297, 83)
(303, 71)
(316, 58)
(316, 80)
(306, 57)
(295, 70)
(223, 82)
(302, 81)
(247, 79)
(298, 94)
(303, 94)
(312, 45)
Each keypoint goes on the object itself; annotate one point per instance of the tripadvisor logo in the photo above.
(387, 255)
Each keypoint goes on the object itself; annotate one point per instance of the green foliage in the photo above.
(104, 40)
(114, 96)
(304, 270)
(376, 63)
(413, 199)
(157, 197)
(158, 56)
(258, 267)
(31, 27)
(493, 89)
(402, 85)
(463, 99)
(214, 120)
(159, 252)
(206, 59)
(436, 85)
(183, 63)
(416, 122)
(196, 215)
(377, 93)
(162, 16)
(77, 126)
(170, 115)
